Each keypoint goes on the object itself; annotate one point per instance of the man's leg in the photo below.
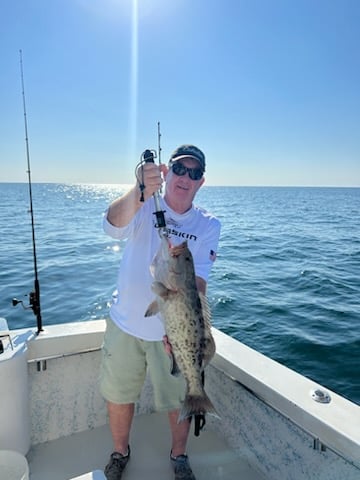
(179, 433)
(178, 456)
(120, 419)
(169, 393)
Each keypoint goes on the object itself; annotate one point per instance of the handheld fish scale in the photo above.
(148, 157)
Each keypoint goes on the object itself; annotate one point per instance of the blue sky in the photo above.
(269, 89)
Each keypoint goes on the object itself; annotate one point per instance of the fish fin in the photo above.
(152, 309)
(205, 307)
(160, 290)
(197, 405)
(209, 347)
(175, 370)
(209, 351)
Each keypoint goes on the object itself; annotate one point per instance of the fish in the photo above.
(186, 316)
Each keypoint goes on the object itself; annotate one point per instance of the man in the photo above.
(133, 342)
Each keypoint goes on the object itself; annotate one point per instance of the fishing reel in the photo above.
(34, 304)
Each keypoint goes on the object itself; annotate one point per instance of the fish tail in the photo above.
(197, 405)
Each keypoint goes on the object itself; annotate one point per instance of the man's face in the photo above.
(181, 189)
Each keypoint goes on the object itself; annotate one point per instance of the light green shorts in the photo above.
(125, 361)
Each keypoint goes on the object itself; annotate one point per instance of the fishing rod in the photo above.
(159, 147)
(34, 296)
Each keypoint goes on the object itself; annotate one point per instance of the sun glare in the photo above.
(134, 80)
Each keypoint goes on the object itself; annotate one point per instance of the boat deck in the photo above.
(73, 456)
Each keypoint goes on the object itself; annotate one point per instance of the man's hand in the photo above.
(167, 345)
(149, 176)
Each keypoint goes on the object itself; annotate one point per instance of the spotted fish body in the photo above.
(186, 317)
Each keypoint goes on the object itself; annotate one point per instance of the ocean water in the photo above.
(286, 281)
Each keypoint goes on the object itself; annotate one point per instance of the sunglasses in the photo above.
(179, 169)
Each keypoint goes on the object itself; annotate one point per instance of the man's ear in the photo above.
(164, 169)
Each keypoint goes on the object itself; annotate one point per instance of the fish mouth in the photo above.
(177, 250)
(175, 272)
